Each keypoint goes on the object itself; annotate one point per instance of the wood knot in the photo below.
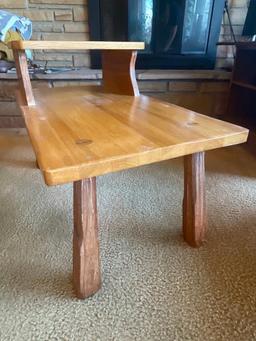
(192, 123)
(83, 141)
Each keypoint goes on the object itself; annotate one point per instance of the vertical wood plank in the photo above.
(86, 260)
(26, 92)
(194, 204)
(118, 67)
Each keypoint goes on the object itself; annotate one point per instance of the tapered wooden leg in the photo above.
(86, 261)
(194, 205)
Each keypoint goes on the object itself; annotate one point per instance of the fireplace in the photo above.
(179, 34)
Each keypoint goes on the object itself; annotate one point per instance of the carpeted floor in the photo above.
(155, 287)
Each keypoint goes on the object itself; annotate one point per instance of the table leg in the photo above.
(194, 205)
(86, 260)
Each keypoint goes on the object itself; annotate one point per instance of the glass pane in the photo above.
(140, 21)
(196, 26)
(168, 26)
(114, 20)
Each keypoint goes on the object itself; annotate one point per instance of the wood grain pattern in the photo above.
(76, 45)
(86, 261)
(25, 87)
(124, 131)
(194, 204)
(118, 69)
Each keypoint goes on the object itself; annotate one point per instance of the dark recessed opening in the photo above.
(178, 34)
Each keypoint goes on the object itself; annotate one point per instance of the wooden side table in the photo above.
(79, 133)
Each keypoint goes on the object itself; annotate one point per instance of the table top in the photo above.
(78, 133)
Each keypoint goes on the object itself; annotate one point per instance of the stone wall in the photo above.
(238, 12)
(68, 20)
(55, 20)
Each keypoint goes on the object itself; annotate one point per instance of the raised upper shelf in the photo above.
(76, 45)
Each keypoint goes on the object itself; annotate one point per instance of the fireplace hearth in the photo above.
(180, 34)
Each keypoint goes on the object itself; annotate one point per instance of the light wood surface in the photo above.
(119, 75)
(75, 45)
(86, 260)
(78, 134)
(194, 203)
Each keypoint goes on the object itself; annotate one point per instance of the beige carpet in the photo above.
(155, 287)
